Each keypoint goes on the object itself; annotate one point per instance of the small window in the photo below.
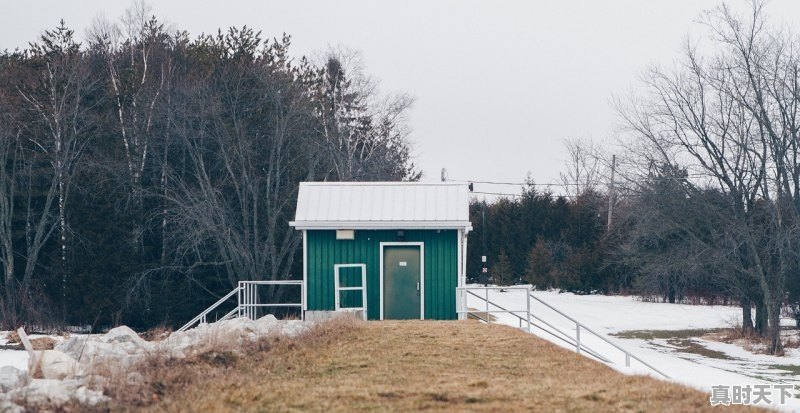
(345, 234)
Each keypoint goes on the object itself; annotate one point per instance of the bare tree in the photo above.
(585, 167)
(245, 136)
(365, 134)
(731, 121)
(136, 53)
(57, 97)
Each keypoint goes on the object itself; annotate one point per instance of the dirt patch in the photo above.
(682, 340)
(693, 347)
(401, 366)
(789, 369)
(665, 334)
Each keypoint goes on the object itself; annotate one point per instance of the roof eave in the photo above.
(329, 225)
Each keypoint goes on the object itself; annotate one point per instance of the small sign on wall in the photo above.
(347, 234)
(403, 263)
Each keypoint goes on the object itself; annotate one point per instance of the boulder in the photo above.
(56, 365)
(45, 392)
(52, 394)
(73, 346)
(124, 335)
(11, 378)
(7, 406)
(117, 348)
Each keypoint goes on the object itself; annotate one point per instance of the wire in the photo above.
(519, 183)
(495, 193)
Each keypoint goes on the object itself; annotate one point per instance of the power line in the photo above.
(495, 193)
(519, 183)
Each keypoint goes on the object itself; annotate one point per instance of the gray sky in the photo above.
(498, 84)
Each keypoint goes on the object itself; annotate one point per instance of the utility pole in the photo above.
(484, 271)
(611, 191)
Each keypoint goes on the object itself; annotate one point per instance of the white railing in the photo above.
(247, 302)
(249, 297)
(533, 320)
(485, 314)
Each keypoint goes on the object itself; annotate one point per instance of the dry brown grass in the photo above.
(752, 342)
(43, 343)
(351, 366)
(12, 338)
(159, 333)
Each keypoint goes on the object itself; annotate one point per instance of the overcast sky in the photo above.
(498, 84)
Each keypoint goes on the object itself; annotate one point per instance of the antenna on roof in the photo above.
(444, 175)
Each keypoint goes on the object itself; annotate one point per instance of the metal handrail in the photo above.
(486, 289)
(566, 337)
(201, 318)
(247, 302)
(248, 297)
(579, 326)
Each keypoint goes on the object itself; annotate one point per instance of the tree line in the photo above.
(145, 172)
(709, 186)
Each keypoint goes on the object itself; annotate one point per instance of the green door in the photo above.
(401, 282)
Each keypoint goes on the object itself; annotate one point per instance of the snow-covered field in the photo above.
(614, 314)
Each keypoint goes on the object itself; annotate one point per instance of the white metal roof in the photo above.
(375, 205)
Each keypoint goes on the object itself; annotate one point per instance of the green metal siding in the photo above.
(441, 267)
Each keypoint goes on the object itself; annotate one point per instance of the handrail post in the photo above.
(528, 318)
(239, 299)
(627, 359)
(578, 337)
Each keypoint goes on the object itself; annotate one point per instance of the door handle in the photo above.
(417, 286)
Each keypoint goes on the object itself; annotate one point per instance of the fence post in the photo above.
(578, 337)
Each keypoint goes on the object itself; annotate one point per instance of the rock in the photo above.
(11, 378)
(52, 394)
(123, 334)
(45, 392)
(72, 346)
(135, 378)
(267, 318)
(234, 331)
(125, 338)
(120, 351)
(57, 365)
(89, 397)
(7, 406)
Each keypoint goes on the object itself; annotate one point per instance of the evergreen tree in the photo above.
(502, 271)
(539, 270)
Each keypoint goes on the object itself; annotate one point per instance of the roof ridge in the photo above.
(379, 183)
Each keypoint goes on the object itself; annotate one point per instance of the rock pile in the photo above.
(68, 369)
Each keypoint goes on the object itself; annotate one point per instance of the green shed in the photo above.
(389, 250)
